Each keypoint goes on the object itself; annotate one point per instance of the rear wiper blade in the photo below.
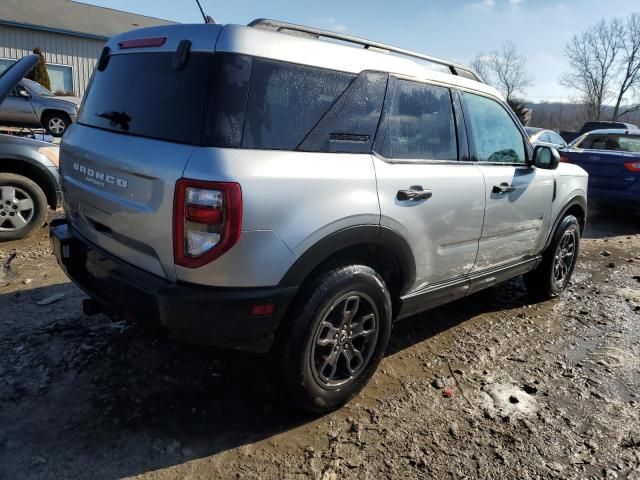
(116, 119)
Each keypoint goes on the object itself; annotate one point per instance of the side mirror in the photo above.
(546, 157)
(23, 93)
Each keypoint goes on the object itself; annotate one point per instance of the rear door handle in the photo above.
(504, 187)
(414, 192)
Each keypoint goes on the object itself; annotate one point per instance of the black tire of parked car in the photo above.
(60, 117)
(340, 314)
(542, 283)
(38, 215)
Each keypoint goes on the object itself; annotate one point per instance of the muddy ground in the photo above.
(539, 391)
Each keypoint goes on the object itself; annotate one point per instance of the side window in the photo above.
(493, 132)
(419, 123)
(286, 101)
(557, 139)
(545, 138)
(351, 123)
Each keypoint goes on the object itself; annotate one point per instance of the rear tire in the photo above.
(56, 123)
(333, 339)
(23, 207)
(552, 276)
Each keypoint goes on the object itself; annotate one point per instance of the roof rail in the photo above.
(279, 26)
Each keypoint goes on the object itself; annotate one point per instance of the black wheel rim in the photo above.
(564, 257)
(344, 340)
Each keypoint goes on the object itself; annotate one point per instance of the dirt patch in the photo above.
(537, 390)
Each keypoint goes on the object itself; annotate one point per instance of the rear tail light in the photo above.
(207, 221)
(632, 166)
(565, 159)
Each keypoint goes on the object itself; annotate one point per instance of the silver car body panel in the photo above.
(292, 200)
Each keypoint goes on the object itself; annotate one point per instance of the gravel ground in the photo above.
(538, 391)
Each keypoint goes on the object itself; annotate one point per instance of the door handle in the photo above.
(503, 188)
(414, 192)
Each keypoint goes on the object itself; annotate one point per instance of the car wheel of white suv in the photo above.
(552, 276)
(332, 344)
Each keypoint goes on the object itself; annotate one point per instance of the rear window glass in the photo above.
(142, 94)
(286, 101)
(619, 143)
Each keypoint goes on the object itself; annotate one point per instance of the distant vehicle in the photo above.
(540, 136)
(29, 180)
(29, 104)
(612, 159)
(590, 126)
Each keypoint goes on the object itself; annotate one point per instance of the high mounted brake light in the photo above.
(143, 42)
(207, 220)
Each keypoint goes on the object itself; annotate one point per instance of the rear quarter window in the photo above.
(286, 101)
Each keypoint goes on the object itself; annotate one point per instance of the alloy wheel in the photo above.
(56, 125)
(16, 208)
(344, 340)
(563, 260)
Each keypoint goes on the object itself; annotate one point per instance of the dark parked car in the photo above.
(612, 159)
(540, 136)
(599, 125)
(29, 104)
(29, 182)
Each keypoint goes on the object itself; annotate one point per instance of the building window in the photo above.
(61, 77)
(5, 63)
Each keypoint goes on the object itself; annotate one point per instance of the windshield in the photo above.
(36, 88)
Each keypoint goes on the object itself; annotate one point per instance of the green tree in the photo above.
(39, 73)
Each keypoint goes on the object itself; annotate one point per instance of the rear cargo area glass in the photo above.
(142, 94)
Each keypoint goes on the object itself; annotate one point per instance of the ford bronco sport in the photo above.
(261, 188)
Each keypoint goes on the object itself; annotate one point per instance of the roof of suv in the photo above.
(614, 131)
(302, 49)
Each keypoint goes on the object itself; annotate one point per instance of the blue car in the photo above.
(612, 159)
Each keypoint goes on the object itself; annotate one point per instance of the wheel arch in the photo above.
(381, 248)
(40, 175)
(577, 206)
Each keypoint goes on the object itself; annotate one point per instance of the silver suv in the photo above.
(261, 188)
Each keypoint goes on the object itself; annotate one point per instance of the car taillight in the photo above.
(632, 166)
(564, 158)
(207, 220)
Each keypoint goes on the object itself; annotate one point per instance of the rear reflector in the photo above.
(267, 309)
(143, 42)
(632, 166)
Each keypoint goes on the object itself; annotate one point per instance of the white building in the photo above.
(70, 34)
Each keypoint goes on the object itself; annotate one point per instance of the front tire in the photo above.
(334, 339)
(23, 206)
(552, 276)
(56, 123)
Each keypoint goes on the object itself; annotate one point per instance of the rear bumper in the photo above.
(218, 317)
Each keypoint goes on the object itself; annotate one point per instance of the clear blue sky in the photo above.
(453, 29)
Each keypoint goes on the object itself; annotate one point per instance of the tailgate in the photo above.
(119, 194)
(605, 169)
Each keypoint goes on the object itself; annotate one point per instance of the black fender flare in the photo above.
(349, 237)
(578, 200)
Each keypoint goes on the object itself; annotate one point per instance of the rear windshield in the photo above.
(141, 94)
(619, 143)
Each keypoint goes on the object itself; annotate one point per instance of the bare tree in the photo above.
(481, 65)
(630, 67)
(510, 69)
(505, 69)
(593, 56)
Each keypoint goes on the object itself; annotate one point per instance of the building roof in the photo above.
(71, 17)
